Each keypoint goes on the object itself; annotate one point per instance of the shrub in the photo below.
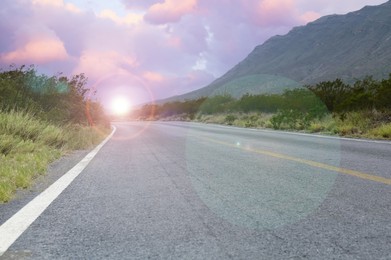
(285, 119)
(229, 119)
(251, 121)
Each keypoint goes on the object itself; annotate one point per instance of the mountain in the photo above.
(349, 47)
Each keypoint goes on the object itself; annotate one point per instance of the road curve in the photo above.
(191, 191)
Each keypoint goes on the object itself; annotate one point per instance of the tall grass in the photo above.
(28, 145)
(382, 132)
(366, 124)
(251, 119)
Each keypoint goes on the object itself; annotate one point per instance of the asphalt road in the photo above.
(192, 191)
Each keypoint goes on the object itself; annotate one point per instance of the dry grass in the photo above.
(382, 132)
(365, 124)
(28, 145)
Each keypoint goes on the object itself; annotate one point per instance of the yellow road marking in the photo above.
(354, 173)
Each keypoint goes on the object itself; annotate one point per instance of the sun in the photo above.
(121, 106)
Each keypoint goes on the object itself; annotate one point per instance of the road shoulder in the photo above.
(55, 170)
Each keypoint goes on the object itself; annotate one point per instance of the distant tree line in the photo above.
(298, 99)
(312, 101)
(362, 95)
(57, 98)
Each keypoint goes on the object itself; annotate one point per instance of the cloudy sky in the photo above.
(148, 49)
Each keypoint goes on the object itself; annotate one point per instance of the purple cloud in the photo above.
(169, 11)
(140, 4)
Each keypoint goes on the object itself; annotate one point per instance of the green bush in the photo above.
(57, 99)
(42, 117)
(285, 119)
(229, 119)
(251, 121)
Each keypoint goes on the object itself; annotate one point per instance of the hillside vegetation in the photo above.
(250, 84)
(41, 119)
(362, 109)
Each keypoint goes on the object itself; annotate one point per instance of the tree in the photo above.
(55, 98)
(331, 93)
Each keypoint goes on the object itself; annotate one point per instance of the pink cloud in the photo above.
(309, 16)
(37, 51)
(175, 42)
(267, 13)
(98, 64)
(126, 20)
(57, 3)
(154, 77)
(169, 11)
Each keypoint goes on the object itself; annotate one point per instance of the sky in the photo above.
(146, 50)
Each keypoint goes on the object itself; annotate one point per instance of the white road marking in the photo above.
(293, 133)
(18, 223)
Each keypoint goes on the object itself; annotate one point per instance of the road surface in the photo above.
(191, 191)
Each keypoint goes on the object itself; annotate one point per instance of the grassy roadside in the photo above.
(28, 145)
(359, 109)
(362, 124)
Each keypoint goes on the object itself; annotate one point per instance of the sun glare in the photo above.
(121, 106)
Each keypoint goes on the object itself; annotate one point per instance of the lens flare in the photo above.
(121, 106)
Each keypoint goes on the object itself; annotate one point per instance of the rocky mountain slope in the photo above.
(349, 47)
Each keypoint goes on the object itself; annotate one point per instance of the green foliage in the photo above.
(331, 106)
(299, 108)
(331, 93)
(291, 119)
(217, 104)
(28, 145)
(297, 99)
(383, 94)
(229, 119)
(364, 94)
(382, 131)
(250, 121)
(42, 117)
(313, 101)
(256, 84)
(364, 123)
(58, 99)
(264, 103)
